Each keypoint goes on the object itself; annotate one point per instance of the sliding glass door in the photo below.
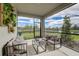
(28, 28)
(37, 27)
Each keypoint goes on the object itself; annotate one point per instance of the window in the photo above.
(37, 27)
(53, 25)
(28, 28)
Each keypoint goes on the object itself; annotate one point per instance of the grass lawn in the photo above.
(30, 35)
(75, 37)
(27, 35)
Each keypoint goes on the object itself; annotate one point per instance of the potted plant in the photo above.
(9, 17)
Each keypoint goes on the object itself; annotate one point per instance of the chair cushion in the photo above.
(17, 44)
(52, 42)
(10, 42)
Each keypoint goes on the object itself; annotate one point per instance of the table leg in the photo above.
(37, 50)
(54, 46)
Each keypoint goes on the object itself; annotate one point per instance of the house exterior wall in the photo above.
(4, 35)
(0, 14)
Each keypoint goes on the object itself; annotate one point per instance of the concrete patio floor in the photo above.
(63, 51)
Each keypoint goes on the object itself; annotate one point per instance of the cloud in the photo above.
(56, 22)
(74, 20)
(53, 23)
(73, 10)
(21, 24)
(57, 19)
(23, 21)
(21, 17)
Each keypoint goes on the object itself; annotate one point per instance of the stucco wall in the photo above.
(0, 14)
(5, 36)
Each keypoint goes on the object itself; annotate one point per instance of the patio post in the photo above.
(42, 27)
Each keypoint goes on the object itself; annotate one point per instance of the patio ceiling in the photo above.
(40, 9)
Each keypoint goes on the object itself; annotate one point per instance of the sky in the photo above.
(54, 20)
(23, 21)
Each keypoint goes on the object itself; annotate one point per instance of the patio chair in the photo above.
(4, 49)
(38, 42)
(17, 48)
(53, 40)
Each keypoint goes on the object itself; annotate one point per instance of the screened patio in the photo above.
(36, 44)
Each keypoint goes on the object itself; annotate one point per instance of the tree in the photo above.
(65, 35)
(75, 27)
(56, 29)
(28, 27)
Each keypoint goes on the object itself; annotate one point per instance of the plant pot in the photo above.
(10, 28)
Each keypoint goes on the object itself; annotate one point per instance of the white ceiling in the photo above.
(39, 9)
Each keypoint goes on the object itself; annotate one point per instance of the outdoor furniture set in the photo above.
(20, 47)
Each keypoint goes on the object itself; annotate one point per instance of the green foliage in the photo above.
(28, 27)
(75, 27)
(8, 14)
(66, 29)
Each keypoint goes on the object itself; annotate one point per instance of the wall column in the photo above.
(42, 27)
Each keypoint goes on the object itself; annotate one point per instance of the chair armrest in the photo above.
(20, 48)
(19, 44)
